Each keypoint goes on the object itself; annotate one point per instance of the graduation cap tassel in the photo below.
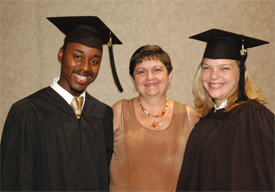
(241, 94)
(112, 61)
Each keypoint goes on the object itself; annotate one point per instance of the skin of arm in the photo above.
(117, 114)
(192, 116)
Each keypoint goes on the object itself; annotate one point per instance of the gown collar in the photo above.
(63, 93)
(223, 105)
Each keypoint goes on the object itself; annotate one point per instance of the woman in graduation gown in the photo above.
(231, 148)
(150, 130)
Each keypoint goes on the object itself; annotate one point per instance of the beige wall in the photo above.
(29, 42)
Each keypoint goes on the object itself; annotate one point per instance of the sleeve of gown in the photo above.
(109, 135)
(16, 152)
(252, 165)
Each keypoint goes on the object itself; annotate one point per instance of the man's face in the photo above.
(79, 67)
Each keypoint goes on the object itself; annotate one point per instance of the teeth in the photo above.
(148, 84)
(81, 77)
(216, 85)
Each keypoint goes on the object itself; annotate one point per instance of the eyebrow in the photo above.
(158, 66)
(83, 52)
(97, 56)
(79, 50)
(139, 68)
(218, 64)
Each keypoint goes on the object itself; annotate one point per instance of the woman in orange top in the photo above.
(150, 130)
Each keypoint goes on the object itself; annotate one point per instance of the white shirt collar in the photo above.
(223, 105)
(63, 93)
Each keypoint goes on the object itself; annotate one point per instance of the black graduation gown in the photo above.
(230, 151)
(45, 148)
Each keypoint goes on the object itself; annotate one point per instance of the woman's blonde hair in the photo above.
(203, 101)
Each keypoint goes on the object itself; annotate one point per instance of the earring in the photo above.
(169, 86)
(135, 90)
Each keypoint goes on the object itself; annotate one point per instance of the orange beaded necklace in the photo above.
(156, 123)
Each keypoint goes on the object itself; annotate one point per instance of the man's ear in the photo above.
(60, 54)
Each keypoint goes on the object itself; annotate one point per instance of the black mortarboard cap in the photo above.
(89, 31)
(226, 45)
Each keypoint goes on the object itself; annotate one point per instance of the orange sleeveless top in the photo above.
(145, 159)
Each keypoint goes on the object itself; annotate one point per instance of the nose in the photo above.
(85, 66)
(214, 74)
(150, 75)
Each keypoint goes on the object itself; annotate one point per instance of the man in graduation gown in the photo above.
(45, 146)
